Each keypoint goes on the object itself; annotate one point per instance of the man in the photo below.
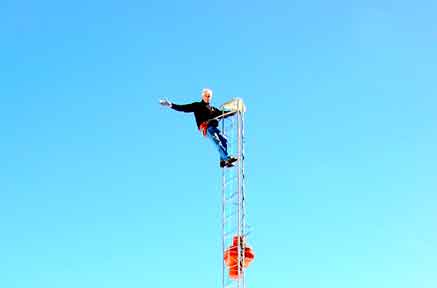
(204, 114)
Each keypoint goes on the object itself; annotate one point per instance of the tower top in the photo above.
(235, 104)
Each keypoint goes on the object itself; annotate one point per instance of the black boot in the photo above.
(230, 161)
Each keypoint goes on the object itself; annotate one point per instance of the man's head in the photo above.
(206, 95)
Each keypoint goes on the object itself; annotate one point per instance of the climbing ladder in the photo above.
(233, 191)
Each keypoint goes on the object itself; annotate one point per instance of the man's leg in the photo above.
(214, 134)
(222, 144)
(223, 140)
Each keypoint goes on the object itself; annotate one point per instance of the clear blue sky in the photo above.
(102, 187)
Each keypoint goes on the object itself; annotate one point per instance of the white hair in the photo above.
(206, 90)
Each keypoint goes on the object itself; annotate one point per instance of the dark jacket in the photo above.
(202, 112)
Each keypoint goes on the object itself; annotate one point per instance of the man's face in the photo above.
(206, 96)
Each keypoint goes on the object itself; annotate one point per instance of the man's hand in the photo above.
(165, 102)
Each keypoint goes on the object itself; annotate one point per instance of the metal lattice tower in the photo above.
(233, 190)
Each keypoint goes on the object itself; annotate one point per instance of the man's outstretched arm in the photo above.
(183, 108)
(165, 103)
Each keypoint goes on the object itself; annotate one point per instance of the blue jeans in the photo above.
(219, 140)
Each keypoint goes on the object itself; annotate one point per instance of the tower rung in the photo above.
(231, 196)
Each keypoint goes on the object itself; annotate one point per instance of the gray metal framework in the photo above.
(233, 190)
